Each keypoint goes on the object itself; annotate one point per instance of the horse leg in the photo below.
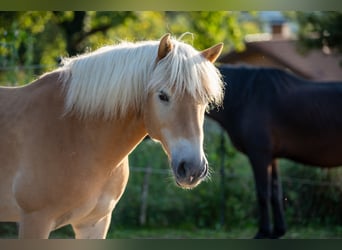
(277, 203)
(262, 178)
(34, 226)
(96, 224)
(93, 230)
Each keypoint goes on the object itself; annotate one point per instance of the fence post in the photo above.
(144, 196)
(222, 179)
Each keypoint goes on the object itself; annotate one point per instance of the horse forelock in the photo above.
(184, 70)
(113, 80)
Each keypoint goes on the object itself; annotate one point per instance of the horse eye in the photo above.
(163, 97)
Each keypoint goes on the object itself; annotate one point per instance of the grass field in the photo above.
(294, 233)
(239, 233)
(309, 232)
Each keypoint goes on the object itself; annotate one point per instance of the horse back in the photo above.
(24, 107)
(307, 124)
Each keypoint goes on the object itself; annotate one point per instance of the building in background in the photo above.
(277, 47)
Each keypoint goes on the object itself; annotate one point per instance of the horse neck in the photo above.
(260, 83)
(114, 139)
(82, 143)
(240, 86)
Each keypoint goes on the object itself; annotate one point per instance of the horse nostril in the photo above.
(181, 170)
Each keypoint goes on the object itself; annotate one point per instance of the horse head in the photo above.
(183, 83)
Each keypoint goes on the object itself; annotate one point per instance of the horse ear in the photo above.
(213, 52)
(165, 46)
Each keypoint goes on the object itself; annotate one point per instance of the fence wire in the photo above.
(285, 179)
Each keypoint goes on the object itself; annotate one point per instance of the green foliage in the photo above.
(22, 37)
(313, 195)
(32, 42)
(218, 26)
(322, 30)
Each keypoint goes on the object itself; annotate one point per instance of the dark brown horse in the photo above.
(269, 114)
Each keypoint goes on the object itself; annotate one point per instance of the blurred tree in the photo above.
(36, 40)
(79, 25)
(18, 34)
(26, 36)
(321, 30)
(213, 27)
(210, 27)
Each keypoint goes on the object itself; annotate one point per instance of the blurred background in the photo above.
(308, 44)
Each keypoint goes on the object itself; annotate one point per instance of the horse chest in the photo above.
(245, 131)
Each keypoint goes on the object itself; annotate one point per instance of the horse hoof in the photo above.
(278, 233)
(262, 235)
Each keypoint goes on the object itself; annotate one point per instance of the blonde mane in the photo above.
(114, 79)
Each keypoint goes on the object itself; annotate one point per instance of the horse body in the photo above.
(311, 122)
(66, 137)
(271, 114)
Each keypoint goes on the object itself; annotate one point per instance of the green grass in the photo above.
(296, 232)
(239, 233)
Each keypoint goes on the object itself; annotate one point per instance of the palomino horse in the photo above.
(269, 114)
(65, 138)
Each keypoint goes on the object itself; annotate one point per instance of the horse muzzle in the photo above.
(189, 173)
